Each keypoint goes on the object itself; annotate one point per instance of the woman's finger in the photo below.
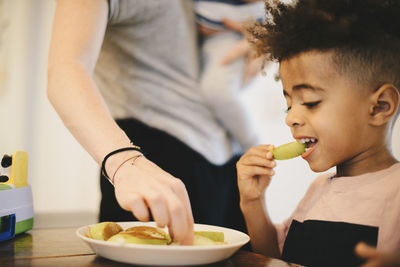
(163, 194)
(158, 206)
(135, 203)
(186, 232)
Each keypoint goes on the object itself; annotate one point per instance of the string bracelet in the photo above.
(134, 158)
(103, 164)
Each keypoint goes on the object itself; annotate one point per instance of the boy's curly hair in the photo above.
(363, 34)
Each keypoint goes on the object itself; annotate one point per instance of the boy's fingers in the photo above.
(260, 150)
(365, 251)
(257, 160)
(264, 181)
(256, 171)
(266, 147)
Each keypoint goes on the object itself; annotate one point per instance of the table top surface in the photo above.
(61, 247)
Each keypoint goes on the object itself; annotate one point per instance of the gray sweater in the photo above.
(148, 69)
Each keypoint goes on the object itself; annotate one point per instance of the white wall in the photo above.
(63, 176)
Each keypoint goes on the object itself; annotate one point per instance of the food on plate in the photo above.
(113, 232)
(288, 151)
(206, 238)
(104, 230)
(142, 235)
(214, 236)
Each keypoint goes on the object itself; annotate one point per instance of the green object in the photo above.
(138, 238)
(288, 151)
(104, 230)
(23, 226)
(214, 236)
(5, 187)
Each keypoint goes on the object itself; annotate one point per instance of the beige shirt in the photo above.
(371, 199)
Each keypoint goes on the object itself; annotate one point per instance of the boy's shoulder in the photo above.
(389, 175)
(321, 180)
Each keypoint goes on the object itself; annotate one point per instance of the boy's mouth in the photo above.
(310, 144)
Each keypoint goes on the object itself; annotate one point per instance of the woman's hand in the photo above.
(255, 169)
(141, 186)
(375, 258)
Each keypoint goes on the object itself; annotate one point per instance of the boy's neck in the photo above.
(366, 165)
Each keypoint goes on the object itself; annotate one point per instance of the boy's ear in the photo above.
(384, 104)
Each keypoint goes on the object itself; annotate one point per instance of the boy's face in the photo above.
(327, 108)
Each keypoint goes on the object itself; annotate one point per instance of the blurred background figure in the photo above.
(221, 84)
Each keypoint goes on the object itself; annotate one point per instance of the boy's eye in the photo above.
(311, 104)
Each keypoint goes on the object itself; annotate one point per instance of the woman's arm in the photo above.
(78, 32)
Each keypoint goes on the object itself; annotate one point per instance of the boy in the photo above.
(340, 71)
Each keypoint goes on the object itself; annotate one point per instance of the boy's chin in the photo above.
(315, 167)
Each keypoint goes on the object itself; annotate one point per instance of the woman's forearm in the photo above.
(78, 32)
(76, 99)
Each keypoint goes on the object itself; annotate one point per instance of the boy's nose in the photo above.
(294, 118)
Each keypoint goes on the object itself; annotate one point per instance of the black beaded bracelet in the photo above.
(103, 164)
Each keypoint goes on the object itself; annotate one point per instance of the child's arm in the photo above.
(375, 258)
(254, 175)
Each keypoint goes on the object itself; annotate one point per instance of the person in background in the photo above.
(222, 84)
(340, 72)
(123, 76)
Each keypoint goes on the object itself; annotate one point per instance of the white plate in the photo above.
(167, 255)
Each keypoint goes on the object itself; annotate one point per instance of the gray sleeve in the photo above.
(121, 11)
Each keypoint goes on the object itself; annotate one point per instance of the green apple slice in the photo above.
(147, 235)
(214, 236)
(288, 151)
(104, 230)
(208, 238)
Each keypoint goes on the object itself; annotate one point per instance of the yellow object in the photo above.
(19, 169)
(104, 230)
(149, 235)
(214, 236)
(288, 151)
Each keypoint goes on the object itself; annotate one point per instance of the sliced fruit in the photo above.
(288, 151)
(142, 235)
(104, 230)
(208, 238)
(214, 236)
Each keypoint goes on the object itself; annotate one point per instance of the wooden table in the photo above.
(61, 247)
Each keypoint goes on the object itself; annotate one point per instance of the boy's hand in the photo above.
(254, 172)
(375, 258)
